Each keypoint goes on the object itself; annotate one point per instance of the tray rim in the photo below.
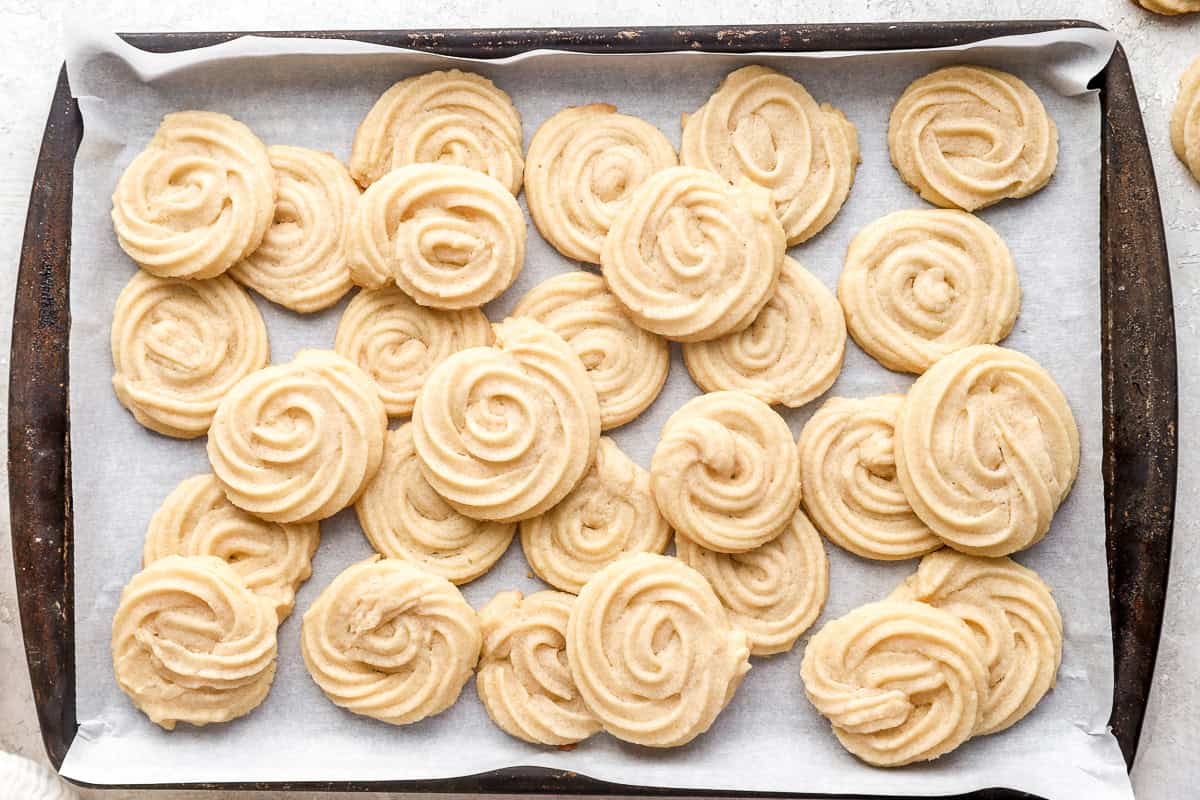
(41, 306)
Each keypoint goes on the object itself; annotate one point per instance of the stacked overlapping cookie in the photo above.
(504, 424)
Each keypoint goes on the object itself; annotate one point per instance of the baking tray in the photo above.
(1138, 363)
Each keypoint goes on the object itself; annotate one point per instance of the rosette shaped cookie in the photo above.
(848, 471)
(726, 473)
(790, 354)
(1170, 7)
(524, 678)
(967, 137)
(179, 346)
(692, 258)
(191, 643)
(198, 199)
(765, 127)
(390, 641)
(301, 263)
(403, 517)
(448, 236)
(609, 514)
(918, 285)
(775, 591)
(398, 343)
(900, 682)
(986, 449)
(583, 165)
(503, 433)
(627, 365)
(444, 117)
(196, 519)
(297, 442)
(1013, 616)
(653, 652)
(1185, 120)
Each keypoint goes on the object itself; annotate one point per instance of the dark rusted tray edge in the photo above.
(1140, 423)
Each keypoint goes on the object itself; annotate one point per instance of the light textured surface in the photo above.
(1159, 48)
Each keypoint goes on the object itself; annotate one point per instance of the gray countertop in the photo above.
(1159, 49)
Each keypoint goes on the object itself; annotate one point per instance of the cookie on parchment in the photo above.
(301, 263)
(198, 199)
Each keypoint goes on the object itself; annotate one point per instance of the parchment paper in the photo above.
(314, 93)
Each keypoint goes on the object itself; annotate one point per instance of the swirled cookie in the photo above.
(505, 432)
(196, 519)
(920, 284)
(444, 117)
(986, 449)
(967, 137)
(1012, 614)
(390, 641)
(848, 471)
(775, 591)
(1170, 7)
(301, 263)
(725, 472)
(583, 165)
(609, 514)
(448, 236)
(1185, 119)
(763, 126)
(398, 342)
(790, 354)
(900, 682)
(524, 679)
(653, 652)
(298, 442)
(191, 643)
(179, 346)
(627, 365)
(692, 258)
(198, 199)
(403, 517)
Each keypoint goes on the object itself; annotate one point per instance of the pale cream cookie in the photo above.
(442, 117)
(196, 519)
(301, 263)
(1013, 615)
(179, 346)
(901, 682)
(503, 433)
(403, 517)
(1170, 7)
(692, 258)
(774, 592)
(848, 471)
(920, 284)
(967, 136)
(448, 236)
(627, 364)
(790, 354)
(765, 127)
(390, 641)
(192, 643)
(609, 514)
(652, 651)
(524, 678)
(1185, 120)
(726, 473)
(583, 165)
(198, 199)
(986, 449)
(398, 342)
(298, 442)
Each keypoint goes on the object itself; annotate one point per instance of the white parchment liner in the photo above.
(313, 93)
